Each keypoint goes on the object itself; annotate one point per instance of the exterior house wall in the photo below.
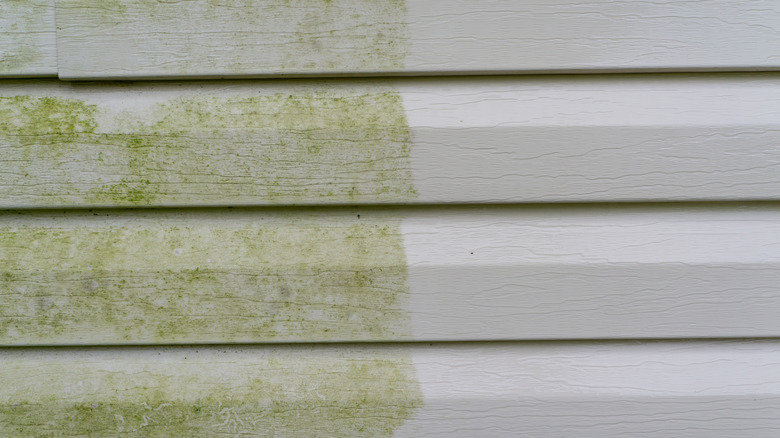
(252, 238)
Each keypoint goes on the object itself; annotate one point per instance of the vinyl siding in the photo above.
(496, 249)
(151, 39)
(28, 40)
(402, 141)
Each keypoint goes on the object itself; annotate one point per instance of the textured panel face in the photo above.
(250, 145)
(298, 36)
(27, 38)
(423, 141)
(388, 274)
(696, 389)
(217, 279)
(281, 257)
(205, 38)
(209, 392)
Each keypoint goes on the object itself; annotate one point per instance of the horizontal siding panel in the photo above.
(502, 273)
(472, 140)
(28, 39)
(203, 38)
(685, 389)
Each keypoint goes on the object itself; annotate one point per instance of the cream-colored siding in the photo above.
(235, 252)
(220, 38)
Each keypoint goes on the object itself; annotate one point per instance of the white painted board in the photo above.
(28, 40)
(655, 390)
(500, 273)
(207, 38)
(421, 141)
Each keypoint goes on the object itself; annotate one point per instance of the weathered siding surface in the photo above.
(251, 391)
(476, 140)
(208, 38)
(28, 41)
(652, 389)
(282, 257)
(363, 274)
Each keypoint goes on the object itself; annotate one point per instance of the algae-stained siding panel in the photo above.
(28, 41)
(205, 38)
(693, 389)
(314, 308)
(370, 141)
(366, 274)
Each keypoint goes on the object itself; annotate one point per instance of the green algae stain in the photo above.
(17, 50)
(339, 35)
(285, 279)
(314, 392)
(304, 147)
(59, 118)
(18, 57)
(262, 36)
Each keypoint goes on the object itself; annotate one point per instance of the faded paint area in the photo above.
(20, 20)
(216, 37)
(308, 147)
(284, 277)
(181, 392)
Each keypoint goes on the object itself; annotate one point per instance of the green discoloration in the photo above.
(262, 36)
(19, 57)
(315, 392)
(315, 34)
(303, 147)
(19, 21)
(289, 277)
(61, 119)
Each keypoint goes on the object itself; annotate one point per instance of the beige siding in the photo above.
(28, 42)
(367, 274)
(655, 389)
(414, 141)
(207, 38)
(590, 255)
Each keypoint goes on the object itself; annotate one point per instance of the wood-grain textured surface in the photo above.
(282, 257)
(423, 141)
(502, 273)
(28, 41)
(655, 389)
(206, 38)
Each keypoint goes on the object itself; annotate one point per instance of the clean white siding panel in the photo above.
(204, 38)
(423, 141)
(28, 41)
(501, 273)
(657, 389)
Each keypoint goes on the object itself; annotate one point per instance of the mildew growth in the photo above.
(281, 278)
(16, 56)
(63, 119)
(307, 392)
(20, 21)
(253, 37)
(309, 146)
(337, 35)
